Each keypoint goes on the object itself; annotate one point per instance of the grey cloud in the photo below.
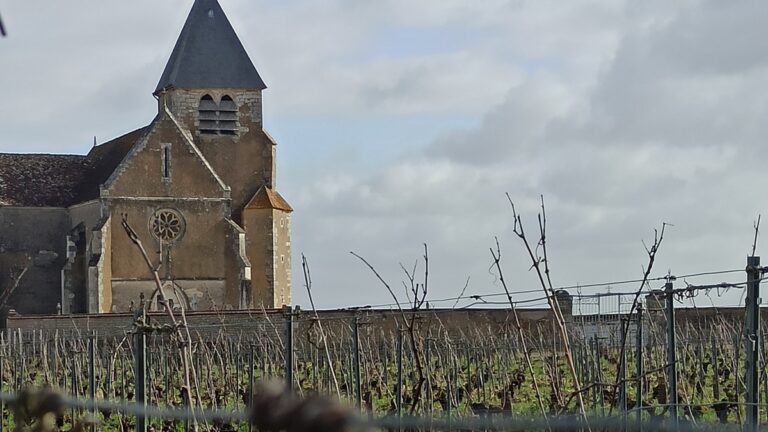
(686, 82)
(713, 37)
(516, 128)
(657, 137)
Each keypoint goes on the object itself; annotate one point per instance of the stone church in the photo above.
(197, 185)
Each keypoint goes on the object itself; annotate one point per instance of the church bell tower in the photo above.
(211, 86)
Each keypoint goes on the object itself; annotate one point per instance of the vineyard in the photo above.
(481, 370)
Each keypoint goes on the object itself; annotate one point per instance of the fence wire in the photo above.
(325, 415)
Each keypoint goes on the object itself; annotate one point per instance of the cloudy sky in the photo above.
(404, 122)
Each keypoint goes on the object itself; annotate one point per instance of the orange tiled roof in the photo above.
(266, 198)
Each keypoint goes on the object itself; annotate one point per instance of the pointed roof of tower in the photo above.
(209, 54)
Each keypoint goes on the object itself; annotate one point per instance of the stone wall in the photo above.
(462, 324)
(33, 237)
(250, 322)
(281, 226)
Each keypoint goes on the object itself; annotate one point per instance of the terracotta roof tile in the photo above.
(39, 180)
(266, 198)
(49, 180)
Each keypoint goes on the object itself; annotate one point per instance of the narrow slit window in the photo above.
(166, 161)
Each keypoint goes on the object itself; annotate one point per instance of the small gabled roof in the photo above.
(266, 198)
(208, 54)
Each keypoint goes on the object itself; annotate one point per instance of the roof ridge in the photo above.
(129, 154)
(104, 159)
(111, 141)
(42, 154)
(197, 151)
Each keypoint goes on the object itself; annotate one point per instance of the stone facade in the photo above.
(32, 239)
(197, 186)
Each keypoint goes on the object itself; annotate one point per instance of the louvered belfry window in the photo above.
(208, 113)
(227, 116)
(217, 119)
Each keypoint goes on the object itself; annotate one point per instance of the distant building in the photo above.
(197, 185)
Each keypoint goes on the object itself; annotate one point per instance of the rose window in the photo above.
(167, 225)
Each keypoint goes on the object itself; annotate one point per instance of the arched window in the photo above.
(227, 116)
(217, 119)
(208, 115)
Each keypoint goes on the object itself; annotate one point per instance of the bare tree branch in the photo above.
(658, 237)
(413, 288)
(757, 230)
(497, 263)
(461, 295)
(7, 293)
(185, 339)
(378, 276)
(546, 285)
(308, 285)
(419, 297)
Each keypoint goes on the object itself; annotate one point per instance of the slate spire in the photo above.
(208, 54)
